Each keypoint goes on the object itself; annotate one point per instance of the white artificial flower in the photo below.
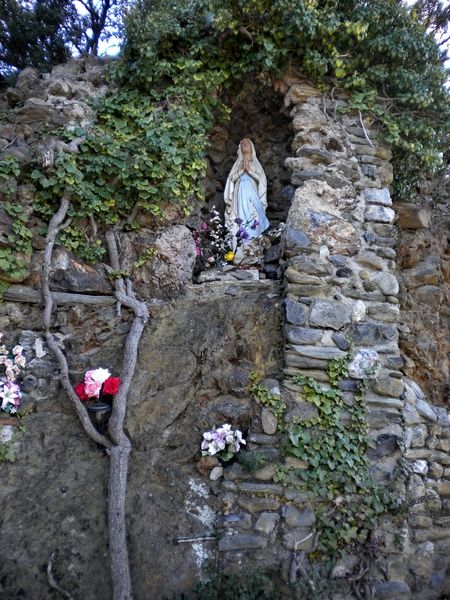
(238, 435)
(98, 375)
(20, 360)
(213, 448)
(9, 394)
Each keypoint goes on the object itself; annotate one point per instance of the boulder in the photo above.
(411, 216)
(71, 274)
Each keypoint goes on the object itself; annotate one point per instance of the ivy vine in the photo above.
(335, 470)
(15, 252)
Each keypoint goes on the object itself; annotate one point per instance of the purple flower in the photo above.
(255, 224)
(242, 234)
(222, 440)
(197, 242)
(238, 221)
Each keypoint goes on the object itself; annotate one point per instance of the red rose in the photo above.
(80, 391)
(111, 386)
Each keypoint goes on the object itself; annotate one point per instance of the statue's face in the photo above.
(246, 147)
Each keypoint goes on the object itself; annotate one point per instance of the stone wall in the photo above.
(341, 293)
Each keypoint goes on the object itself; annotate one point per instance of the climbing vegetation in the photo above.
(333, 468)
(334, 447)
(379, 52)
(16, 249)
(186, 63)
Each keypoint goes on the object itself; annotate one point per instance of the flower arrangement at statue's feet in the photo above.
(249, 250)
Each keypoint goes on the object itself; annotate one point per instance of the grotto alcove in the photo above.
(261, 116)
(258, 114)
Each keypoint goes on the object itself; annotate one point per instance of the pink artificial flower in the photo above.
(204, 227)
(17, 349)
(92, 389)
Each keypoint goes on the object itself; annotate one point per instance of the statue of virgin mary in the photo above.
(246, 197)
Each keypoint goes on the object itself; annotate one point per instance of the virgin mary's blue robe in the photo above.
(249, 208)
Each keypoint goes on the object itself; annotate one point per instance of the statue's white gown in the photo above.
(249, 208)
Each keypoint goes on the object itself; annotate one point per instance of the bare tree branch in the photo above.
(119, 446)
(55, 225)
(119, 454)
(21, 293)
(52, 580)
(140, 310)
(364, 129)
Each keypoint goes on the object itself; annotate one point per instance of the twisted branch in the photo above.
(55, 226)
(125, 297)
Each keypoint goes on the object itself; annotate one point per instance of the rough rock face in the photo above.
(170, 269)
(194, 365)
(423, 260)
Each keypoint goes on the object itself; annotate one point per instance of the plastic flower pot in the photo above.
(99, 412)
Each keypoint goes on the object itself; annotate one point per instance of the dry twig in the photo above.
(364, 129)
(52, 580)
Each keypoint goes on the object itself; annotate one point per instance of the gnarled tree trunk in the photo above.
(116, 443)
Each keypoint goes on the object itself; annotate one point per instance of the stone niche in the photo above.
(259, 116)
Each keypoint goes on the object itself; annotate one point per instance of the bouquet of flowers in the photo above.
(13, 362)
(222, 441)
(97, 382)
(212, 241)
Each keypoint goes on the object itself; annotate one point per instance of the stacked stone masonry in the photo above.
(341, 293)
